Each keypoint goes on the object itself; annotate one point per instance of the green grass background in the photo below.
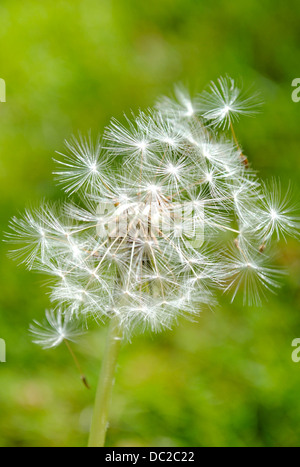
(227, 380)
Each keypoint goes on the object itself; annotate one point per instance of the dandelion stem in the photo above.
(105, 385)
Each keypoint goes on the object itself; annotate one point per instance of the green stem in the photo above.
(105, 385)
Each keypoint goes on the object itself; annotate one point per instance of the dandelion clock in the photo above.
(161, 213)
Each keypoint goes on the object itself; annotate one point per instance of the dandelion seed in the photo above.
(226, 102)
(58, 327)
(182, 107)
(277, 214)
(246, 271)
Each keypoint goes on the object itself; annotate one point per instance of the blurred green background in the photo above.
(227, 380)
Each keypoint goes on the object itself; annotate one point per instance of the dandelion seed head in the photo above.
(166, 214)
